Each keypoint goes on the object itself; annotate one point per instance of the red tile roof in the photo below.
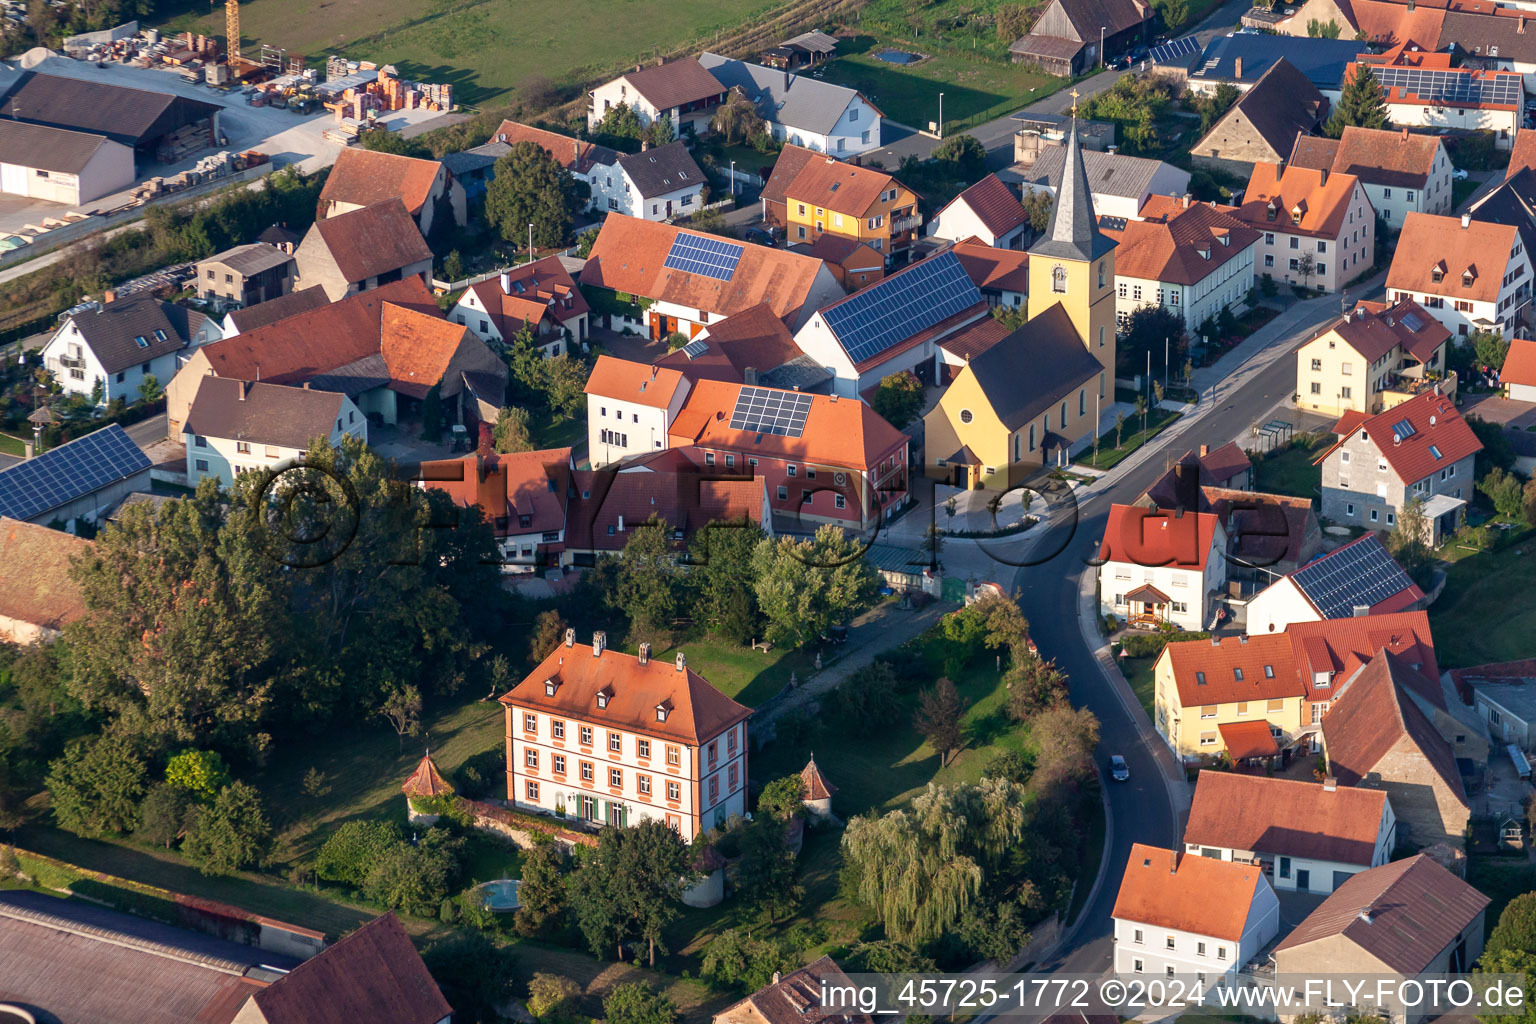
(1470, 260)
(1132, 534)
(1333, 645)
(1397, 158)
(849, 253)
(629, 253)
(1322, 198)
(1206, 671)
(1400, 57)
(507, 487)
(1177, 244)
(788, 165)
(842, 188)
(373, 240)
(1392, 23)
(417, 347)
(1523, 154)
(975, 338)
(653, 386)
(1374, 329)
(686, 501)
(1285, 817)
(752, 339)
(994, 204)
(1256, 532)
(796, 998)
(1248, 739)
(697, 711)
(1188, 893)
(674, 84)
(362, 177)
(1520, 364)
(426, 781)
(528, 293)
(993, 269)
(1439, 439)
(575, 155)
(35, 582)
(816, 785)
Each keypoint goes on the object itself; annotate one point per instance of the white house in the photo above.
(117, 344)
(236, 426)
(1402, 172)
(802, 110)
(1307, 836)
(1518, 374)
(654, 184)
(1120, 184)
(989, 210)
(1360, 578)
(630, 408)
(1190, 258)
(1430, 93)
(1471, 275)
(540, 295)
(681, 91)
(1161, 568)
(1319, 229)
(1189, 916)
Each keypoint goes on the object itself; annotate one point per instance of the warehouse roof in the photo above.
(122, 114)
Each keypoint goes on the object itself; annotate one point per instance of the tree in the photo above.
(1306, 266)
(620, 127)
(1409, 543)
(966, 156)
(1490, 347)
(1213, 105)
(1033, 686)
(766, 879)
(401, 707)
(1013, 765)
(737, 959)
(1496, 448)
(453, 263)
(1506, 493)
(585, 241)
(864, 697)
(629, 886)
(201, 772)
(416, 878)
(806, 586)
(95, 788)
(550, 995)
(1516, 930)
(149, 388)
(1038, 205)
(1175, 13)
(638, 1003)
(1012, 20)
(660, 132)
(1154, 331)
(382, 140)
(531, 187)
(939, 710)
(511, 433)
(721, 569)
(737, 119)
(541, 898)
(1141, 410)
(649, 582)
(1064, 741)
(1323, 29)
(475, 975)
(1362, 104)
(782, 797)
(229, 834)
(163, 815)
(564, 380)
(354, 848)
(898, 398)
(1119, 428)
(548, 633)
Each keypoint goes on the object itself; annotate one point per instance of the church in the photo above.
(1025, 401)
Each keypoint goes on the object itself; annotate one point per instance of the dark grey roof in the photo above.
(52, 149)
(279, 234)
(1322, 60)
(1281, 105)
(280, 308)
(815, 42)
(112, 330)
(1513, 203)
(355, 377)
(1480, 35)
(661, 170)
(268, 414)
(1113, 174)
(1035, 367)
(802, 373)
(470, 161)
(139, 498)
(252, 258)
(1113, 15)
(1073, 232)
(797, 101)
(125, 115)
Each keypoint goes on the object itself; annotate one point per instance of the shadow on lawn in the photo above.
(908, 96)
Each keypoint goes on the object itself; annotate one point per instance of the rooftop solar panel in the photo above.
(767, 411)
(1451, 86)
(700, 254)
(871, 321)
(1175, 51)
(97, 460)
(1412, 322)
(1402, 429)
(694, 349)
(1358, 574)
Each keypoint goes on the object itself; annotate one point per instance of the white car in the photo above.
(1458, 175)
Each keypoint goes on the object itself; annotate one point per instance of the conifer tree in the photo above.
(1362, 104)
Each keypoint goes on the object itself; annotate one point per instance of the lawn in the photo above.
(1110, 454)
(1461, 190)
(1474, 620)
(12, 445)
(1138, 672)
(1501, 879)
(1289, 471)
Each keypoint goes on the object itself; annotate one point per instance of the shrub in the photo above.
(354, 849)
(550, 993)
(229, 834)
(417, 878)
(479, 776)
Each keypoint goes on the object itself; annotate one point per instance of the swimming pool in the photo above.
(500, 895)
(898, 57)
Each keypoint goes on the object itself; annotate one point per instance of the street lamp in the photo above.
(733, 179)
(1101, 47)
(941, 115)
(530, 242)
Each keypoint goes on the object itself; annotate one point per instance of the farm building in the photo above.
(60, 166)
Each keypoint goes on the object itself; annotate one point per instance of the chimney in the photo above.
(1185, 200)
(1205, 450)
(1360, 611)
(599, 641)
(682, 662)
(660, 61)
(776, 977)
(1466, 220)
(1330, 784)
(245, 389)
(576, 151)
(306, 385)
(110, 295)
(1322, 176)
(639, 67)
(570, 638)
(1405, 130)
(1520, 28)
(645, 653)
(749, 376)
(645, 144)
(1239, 63)
(506, 282)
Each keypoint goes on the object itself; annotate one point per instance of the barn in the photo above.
(61, 166)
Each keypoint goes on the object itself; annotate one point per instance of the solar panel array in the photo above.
(871, 321)
(1403, 428)
(709, 257)
(766, 411)
(1362, 573)
(694, 349)
(1175, 51)
(1451, 86)
(70, 471)
(1412, 322)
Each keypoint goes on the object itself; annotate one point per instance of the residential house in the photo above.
(1001, 275)
(1071, 36)
(1014, 407)
(474, 169)
(1383, 23)
(248, 318)
(1372, 358)
(1522, 155)
(802, 110)
(683, 91)
(540, 295)
(752, 347)
(657, 183)
(80, 479)
(894, 324)
(1377, 736)
(610, 738)
(856, 264)
(1177, 914)
(800, 995)
(1402, 172)
(1225, 468)
(1118, 185)
(365, 177)
(1503, 695)
(693, 280)
(1266, 533)
(791, 160)
(38, 595)
(1265, 122)
(1518, 374)
(282, 237)
(631, 408)
(1319, 229)
(245, 275)
(585, 160)
(1512, 202)
(1404, 921)
(1427, 90)
(61, 166)
(105, 351)
(1237, 695)
(1358, 578)
(825, 459)
(608, 506)
(1307, 836)
(1192, 259)
(237, 426)
(1479, 31)
(525, 497)
(1470, 275)
(365, 248)
(1419, 450)
(1162, 568)
(385, 349)
(988, 211)
(1241, 60)
(856, 202)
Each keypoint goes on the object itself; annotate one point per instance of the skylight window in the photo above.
(1402, 429)
(142, 341)
(159, 335)
(1435, 451)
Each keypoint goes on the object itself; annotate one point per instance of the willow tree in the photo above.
(922, 868)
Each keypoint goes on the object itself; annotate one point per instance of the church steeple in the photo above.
(1073, 233)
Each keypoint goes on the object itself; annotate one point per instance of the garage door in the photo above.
(13, 179)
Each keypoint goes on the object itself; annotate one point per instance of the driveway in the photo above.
(1504, 411)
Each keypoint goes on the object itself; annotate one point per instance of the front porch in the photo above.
(1147, 608)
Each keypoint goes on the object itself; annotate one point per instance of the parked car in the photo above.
(758, 236)
(1118, 769)
(836, 635)
(1458, 175)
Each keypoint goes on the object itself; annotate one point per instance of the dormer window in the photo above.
(550, 686)
(1296, 215)
(1271, 211)
(1467, 277)
(604, 696)
(661, 712)
(1437, 273)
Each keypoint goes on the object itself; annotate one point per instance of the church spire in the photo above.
(1073, 233)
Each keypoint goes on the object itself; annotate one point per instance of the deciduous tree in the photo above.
(898, 398)
(806, 586)
(939, 710)
(638, 1003)
(531, 187)
(511, 433)
(767, 878)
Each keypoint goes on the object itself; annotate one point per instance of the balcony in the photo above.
(72, 362)
(901, 225)
(1413, 382)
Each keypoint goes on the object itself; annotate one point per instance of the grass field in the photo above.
(1475, 621)
(1138, 672)
(1110, 454)
(12, 445)
(1290, 472)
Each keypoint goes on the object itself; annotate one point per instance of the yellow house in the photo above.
(828, 196)
(1209, 695)
(1372, 358)
(1026, 400)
